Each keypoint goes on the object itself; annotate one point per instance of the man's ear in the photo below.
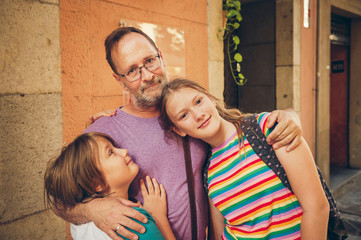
(160, 54)
(117, 78)
(179, 132)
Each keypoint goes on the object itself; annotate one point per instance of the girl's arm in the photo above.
(155, 202)
(217, 221)
(303, 177)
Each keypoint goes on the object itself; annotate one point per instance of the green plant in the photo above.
(233, 17)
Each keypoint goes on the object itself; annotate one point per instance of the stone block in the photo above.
(30, 49)
(284, 32)
(43, 225)
(215, 24)
(216, 79)
(31, 130)
(284, 87)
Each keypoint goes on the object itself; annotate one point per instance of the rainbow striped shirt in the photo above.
(252, 199)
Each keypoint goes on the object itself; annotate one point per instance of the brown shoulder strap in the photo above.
(190, 183)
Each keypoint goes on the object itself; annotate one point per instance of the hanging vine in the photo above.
(233, 17)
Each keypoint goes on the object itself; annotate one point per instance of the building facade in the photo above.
(54, 75)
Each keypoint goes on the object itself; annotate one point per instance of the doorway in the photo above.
(339, 91)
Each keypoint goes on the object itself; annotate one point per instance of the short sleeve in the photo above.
(262, 121)
(151, 232)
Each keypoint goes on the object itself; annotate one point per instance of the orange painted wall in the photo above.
(87, 82)
(308, 77)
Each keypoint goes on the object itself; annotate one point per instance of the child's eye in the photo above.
(183, 116)
(199, 101)
(111, 152)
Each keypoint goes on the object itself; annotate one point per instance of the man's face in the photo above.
(132, 51)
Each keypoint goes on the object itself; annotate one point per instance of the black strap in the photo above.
(257, 140)
(190, 183)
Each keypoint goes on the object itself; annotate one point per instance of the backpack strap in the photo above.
(257, 140)
(190, 183)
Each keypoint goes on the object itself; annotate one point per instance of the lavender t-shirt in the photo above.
(163, 159)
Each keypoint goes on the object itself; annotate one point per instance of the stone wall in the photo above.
(30, 116)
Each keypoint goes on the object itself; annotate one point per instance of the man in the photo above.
(139, 68)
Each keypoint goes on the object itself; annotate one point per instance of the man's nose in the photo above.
(145, 74)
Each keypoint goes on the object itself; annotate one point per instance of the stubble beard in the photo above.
(144, 100)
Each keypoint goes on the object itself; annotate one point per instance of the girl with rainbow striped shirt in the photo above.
(247, 199)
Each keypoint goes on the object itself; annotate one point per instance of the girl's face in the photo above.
(193, 113)
(117, 166)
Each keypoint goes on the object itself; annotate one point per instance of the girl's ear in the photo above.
(98, 186)
(179, 132)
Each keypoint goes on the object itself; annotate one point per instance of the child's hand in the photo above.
(155, 199)
(106, 113)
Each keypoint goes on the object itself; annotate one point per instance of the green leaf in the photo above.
(238, 57)
(231, 14)
(236, 25)
(240, 75)
(239, 17)
(237, 5)
(236, 40)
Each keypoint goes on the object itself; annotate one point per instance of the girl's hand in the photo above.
(155, 199)
(106, 113)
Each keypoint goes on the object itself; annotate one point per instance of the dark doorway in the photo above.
(257, 46)
(339, 91)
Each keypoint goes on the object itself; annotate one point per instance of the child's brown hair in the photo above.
(74, 175)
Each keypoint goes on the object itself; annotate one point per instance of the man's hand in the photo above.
(110, 212)
(105, 113)
(288, 130)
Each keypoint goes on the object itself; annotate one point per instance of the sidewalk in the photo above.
(345, 185)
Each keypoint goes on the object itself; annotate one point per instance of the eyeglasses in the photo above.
(150, 64)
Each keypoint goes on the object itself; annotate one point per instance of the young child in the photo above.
(248, 200)
(93, 167)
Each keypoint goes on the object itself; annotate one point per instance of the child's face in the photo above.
(193, 113)
(118, 168)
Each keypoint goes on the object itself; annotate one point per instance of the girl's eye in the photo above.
(199, 101)
(111, 152)
(183, 116)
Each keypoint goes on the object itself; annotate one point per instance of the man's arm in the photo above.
(288, 130)
(216, 220)
(106, 213)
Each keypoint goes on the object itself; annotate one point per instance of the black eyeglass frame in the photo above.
(125, 75)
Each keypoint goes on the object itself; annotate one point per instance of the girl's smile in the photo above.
(205, 123)
(195, 114)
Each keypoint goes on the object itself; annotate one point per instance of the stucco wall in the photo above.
(87, 82)
(308, 76)
(31, 116)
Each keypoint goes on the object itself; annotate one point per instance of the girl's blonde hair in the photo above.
(74, 175)
(231, 115)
